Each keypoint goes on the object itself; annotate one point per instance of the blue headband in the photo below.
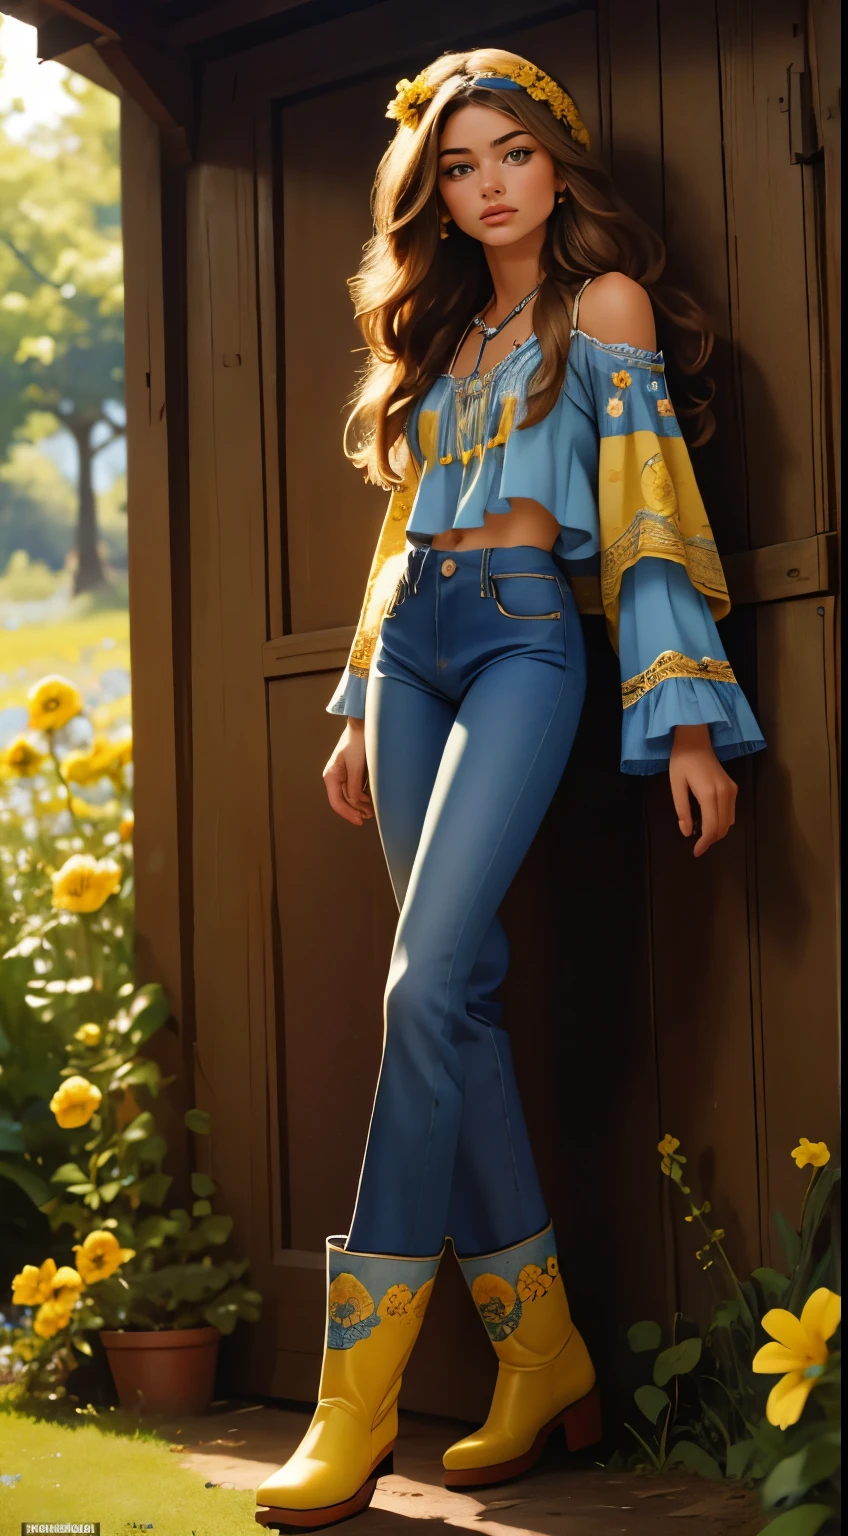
(496, 82)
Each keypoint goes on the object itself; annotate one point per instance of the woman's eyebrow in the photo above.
(515, 134)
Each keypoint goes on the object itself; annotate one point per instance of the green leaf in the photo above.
(140, 1128)
(795, 1476)
(149, 1010)
(651, 1401)
(69, 1173)
(141, 1074)
(773, 1285)
(726, 1314)
(11, 1139)
(677, 1361)
(644, 1336)
(693, 1458)
(740, 1458)
(804, 1521)
(215, 1229)
(790, 1240)
(155, 1187)
(83, 1346)
(81, 1189)
(199, 1121)
(109, 1192)
(201, 1208)
(152, 1232)
(31, 1183)
(202, 1185)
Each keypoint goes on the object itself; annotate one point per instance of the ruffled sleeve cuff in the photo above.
(349, 697)
(647, 726)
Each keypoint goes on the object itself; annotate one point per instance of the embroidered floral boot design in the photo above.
(545, 1375)
(375, 1307)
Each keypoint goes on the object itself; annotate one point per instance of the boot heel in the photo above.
(582, 1421)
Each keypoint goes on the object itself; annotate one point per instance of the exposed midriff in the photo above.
(527, 523)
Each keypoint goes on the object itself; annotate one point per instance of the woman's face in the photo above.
(496, 180)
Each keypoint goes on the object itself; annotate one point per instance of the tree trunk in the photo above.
(89, 573)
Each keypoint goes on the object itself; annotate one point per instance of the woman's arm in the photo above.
(664, 623)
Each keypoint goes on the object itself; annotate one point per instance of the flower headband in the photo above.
(413, 95)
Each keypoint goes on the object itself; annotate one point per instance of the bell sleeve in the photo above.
(662, 584)
(386, 567)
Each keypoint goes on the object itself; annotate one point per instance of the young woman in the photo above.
(516, 403)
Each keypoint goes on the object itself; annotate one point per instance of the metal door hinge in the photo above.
(797, 103)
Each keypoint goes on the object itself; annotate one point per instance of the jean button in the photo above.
(448, 567)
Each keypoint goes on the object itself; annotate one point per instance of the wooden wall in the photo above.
(648, 991)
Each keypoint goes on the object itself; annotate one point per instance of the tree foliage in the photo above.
(61, 290)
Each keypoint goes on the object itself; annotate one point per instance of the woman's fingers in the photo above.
(680, 796)
(335, 779)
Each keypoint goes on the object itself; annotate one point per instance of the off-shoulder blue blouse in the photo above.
(610, 464)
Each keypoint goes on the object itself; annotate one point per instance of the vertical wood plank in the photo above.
(797, 874)
(769, 276)
(636, 118)
(233, 875)
(157, 912)
(696, 242)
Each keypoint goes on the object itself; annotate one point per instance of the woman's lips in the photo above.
(497, 215)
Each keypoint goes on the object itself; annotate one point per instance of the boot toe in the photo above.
(477, 1451)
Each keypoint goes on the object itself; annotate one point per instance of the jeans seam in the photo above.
(477, 891)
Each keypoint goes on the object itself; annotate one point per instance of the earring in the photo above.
(562, 195)
(444, 221)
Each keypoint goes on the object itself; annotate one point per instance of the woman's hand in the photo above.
(344, 775)
(695, 766)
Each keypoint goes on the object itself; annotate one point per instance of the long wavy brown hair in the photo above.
(415, 293)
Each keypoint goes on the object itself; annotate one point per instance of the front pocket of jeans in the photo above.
(523, 595)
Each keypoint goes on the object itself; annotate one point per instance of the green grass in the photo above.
(72, 646)
(123, 1481)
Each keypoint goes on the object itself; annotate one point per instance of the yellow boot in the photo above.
(545, 1375)
(375, 1304)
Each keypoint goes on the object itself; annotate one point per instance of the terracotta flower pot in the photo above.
(171, 1372)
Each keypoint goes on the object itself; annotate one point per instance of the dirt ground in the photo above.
(238, 1447)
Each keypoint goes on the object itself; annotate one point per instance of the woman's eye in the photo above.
(525, 152)
(459, 166)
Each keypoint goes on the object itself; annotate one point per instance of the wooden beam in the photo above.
(160, 81)
(228, 16)
(112, 19)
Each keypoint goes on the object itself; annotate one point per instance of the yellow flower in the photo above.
(396, 1302)
(52, 703)
(67, 1284)
(816, 1153)
(84, 883)
(614, 407)
(99, 1256)
(51, 1318)
(89, 1034)
(494, 1297)
(552, 1267)
(34, 1285)
(533, 1282)
(412, 95)
(74, 1102)
(800, 1352)
(22, 759)
(127, 827)
(668, 1145)
(96, 762)
(622, 379)
(665, 408)
(421, 1298)
(349, 1301)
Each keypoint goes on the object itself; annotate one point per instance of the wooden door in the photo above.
(647, 992)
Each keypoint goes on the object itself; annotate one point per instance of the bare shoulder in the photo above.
(615, 308)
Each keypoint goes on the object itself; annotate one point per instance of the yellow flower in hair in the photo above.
(52, 703)
(622, 379)
(816, 1153)
(74, 1102)
(542, 88)
(614, 407)
(412, 95)
(533, 1282)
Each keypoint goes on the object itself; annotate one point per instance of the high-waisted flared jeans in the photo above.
(473, 701)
